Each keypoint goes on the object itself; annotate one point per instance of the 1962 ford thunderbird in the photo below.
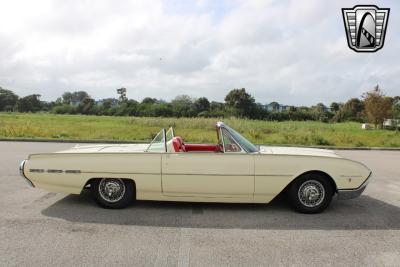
(233, 170)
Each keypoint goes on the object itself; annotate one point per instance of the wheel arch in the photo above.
(325, 174)
(300, 174)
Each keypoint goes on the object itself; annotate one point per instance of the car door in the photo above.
(203, 174)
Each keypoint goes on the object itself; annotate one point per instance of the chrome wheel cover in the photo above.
(311, 193)
(111, 189)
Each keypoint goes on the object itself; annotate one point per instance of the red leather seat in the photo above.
(178, 144)
(202, 148)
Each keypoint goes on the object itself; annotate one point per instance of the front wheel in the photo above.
(311, 193)
(113, 193)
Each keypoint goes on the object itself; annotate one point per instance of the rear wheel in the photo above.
(113, 193)
(311, 193)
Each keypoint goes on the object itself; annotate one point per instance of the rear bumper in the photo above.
(21, 171)
(353, 193)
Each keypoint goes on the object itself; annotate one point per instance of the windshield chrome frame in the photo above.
(165, 140)
(221, 125)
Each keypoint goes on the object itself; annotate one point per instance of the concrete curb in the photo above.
(146, 142)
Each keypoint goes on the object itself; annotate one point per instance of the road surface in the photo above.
(39, 228)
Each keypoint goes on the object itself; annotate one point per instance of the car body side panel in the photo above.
(143, 168)
(274, 172)
(208, 175)
(194, 176)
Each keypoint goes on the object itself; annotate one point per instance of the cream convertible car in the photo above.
(233, 170)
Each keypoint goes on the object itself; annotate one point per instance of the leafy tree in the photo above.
(122, 94)
(335, 107)
(149, 100)
(258, 112)
(74, 98)
(48, 106)
(8, 100)
(217, 109)
(396, 107)
(377, 106)
(64, 109)
(30, 103)
(320, 112)
(104, 106)
(182, 106)
(292, 111)
(161, 110)
(237, 102)
(201, 104)
(275, 106)
(352, 110)
(87, 106)
(67, 98)
(130, 107)
(241, 102)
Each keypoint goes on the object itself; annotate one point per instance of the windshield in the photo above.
(159, 143)
(243, 142)
(230, 144)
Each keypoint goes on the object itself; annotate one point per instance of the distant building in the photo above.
(274, 106)
(327, 109)
(391, 124)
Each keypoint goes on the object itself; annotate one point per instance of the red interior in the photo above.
(180, 146)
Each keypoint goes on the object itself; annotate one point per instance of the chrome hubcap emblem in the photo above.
(111, 189)
(311, 193)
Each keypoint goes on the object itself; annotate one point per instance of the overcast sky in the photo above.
(293, 52)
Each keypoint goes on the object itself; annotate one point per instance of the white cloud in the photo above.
(294, 52)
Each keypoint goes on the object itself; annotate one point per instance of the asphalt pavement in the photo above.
(39, 228)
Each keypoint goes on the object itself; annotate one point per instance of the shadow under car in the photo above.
(362, 213)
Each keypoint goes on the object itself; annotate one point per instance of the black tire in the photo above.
(311, 193)
(122, 196)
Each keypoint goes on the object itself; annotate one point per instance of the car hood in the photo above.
(106, 148)
(301, 151)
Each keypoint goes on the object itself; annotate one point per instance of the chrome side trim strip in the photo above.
(229, 174)
(54, 171)
(190, 174)
(154, 173)
(209, 174)
(96, 172)
(36, 170)
(73, 171)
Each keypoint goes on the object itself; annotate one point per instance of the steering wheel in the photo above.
(232, 148)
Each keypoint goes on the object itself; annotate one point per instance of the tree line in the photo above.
(373, 106)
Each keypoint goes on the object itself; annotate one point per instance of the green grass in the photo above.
(77, 127)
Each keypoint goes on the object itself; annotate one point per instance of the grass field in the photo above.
(198, 130)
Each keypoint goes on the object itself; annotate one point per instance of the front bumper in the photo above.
(353, 193)
(21, 171)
